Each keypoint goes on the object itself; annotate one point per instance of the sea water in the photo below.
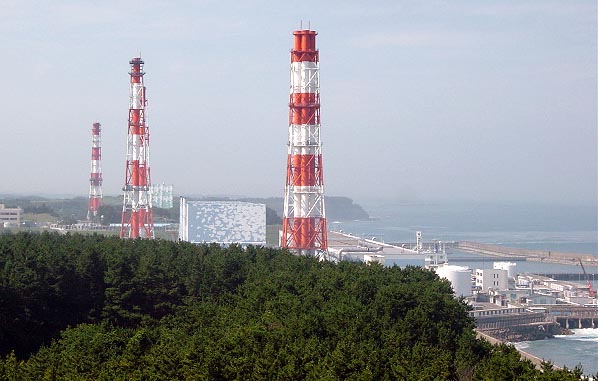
(556, 228)
(569, 350)
(542, 227)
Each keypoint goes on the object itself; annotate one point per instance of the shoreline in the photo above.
(528, 356)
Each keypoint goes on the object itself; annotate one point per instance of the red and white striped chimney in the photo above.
(95, 181)
(304, 219)
(137, 220)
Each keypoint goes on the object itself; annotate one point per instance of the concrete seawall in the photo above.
(530, 255)
(494, 341)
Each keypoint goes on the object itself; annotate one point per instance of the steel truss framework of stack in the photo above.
(304, 218)
(137, 219)
(95, 180)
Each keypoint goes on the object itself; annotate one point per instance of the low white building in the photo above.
(10, 216)
(505, 297)
(559, 286)
(542, 299)
(491, 279)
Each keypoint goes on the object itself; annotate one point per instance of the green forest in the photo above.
(91, 307)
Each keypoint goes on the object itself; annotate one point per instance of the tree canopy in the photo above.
(90, 307)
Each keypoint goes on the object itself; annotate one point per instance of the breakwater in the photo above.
(527, 254)
(514, 324)
(571, 277)
(526, 355)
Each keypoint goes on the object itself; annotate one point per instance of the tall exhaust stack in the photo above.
(95, 180)
(304, 219)
(137, 220)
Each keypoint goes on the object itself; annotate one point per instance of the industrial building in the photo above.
(509, 266)
(495, 279)
(162, 195)
(485, 280)
(222, 222)
(10, 216)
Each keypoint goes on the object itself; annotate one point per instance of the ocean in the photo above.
(556, 228)
(570, 350)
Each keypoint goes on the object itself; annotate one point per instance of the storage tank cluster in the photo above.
(459, 276)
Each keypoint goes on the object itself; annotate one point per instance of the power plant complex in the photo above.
(504, 305)
(303, 229)
(304, 218)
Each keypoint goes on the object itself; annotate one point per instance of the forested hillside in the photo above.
(99, 308)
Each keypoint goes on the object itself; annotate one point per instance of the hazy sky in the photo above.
(436, 100)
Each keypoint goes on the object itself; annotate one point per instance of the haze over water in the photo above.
(551, 227)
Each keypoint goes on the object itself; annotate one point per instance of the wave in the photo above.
(592, 339)
(522, 345)
(591, 332)
(581, 334)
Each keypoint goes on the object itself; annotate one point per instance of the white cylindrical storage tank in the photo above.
(369, 258)
(459, 276)
(509, 266)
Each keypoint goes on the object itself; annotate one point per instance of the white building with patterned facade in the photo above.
(222, 222)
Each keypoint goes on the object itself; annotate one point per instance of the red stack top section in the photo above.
(136, 70)
(304, 48)
(304, 106)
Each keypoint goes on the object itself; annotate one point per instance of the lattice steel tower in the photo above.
(137, 220)
(95, 180)
(304, 219)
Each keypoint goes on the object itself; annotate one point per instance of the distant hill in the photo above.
(338, 208)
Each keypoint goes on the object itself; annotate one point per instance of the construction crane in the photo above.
(592, 293)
